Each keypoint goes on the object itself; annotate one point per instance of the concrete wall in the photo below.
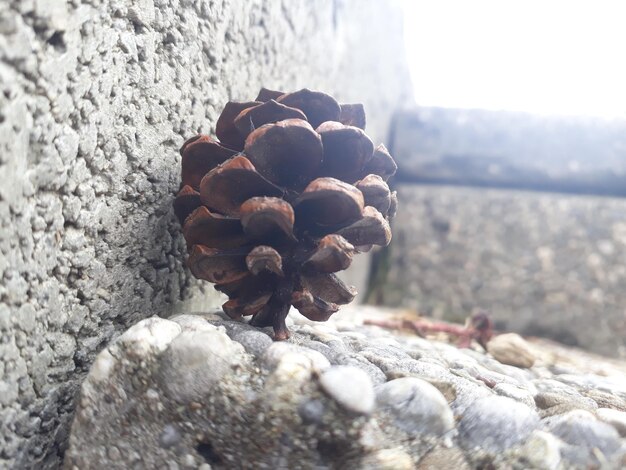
(96, 97)
(543, 264)
(542, 261)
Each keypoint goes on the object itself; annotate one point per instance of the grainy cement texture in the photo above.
(96, 98)
(543, 264)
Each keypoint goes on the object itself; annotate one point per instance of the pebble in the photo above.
(516, 393)
(416, 406)
(255, 342)
(388, 459)
(196, 361)
(444, 458)
(350, 387)
(383, 353)
(467, 392)
(351, 359)
(552, 403)
(312, 411)
(581, 429)
(276, 352)
(152, 334)
(512, 349)
(542, 450)
(615, 418)
(418, 369)
(170, 436)
(497, 423)
(606, 399)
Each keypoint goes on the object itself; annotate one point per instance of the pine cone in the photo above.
(292, 190)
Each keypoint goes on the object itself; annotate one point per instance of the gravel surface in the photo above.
(201, 389)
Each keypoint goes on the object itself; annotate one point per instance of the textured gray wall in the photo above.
(96, 97)
(543, 264)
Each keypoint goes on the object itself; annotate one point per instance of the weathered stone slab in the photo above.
(287, 405)
(543, 264)
(507, 149)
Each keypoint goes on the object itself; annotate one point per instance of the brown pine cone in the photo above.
(292, 190)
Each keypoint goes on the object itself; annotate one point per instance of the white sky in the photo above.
(543, 56)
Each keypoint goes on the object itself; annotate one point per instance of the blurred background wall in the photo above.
(97, 97)
(519, 214)
(512, 169)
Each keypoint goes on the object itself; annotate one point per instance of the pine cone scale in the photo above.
(217, 266)
(346, 150)
(329, 288)
(205, 228)
(287, 153)
(333, 253)
(266, 94)
(381, 164)
(226, 187)
(187, 200)
(318, 107)
(268, 218)
(271, 111)
(199, 156)
(328, 204)
(312, 307)
(353, 115)
(375, 192)
(225, 128)
(371, 229)
(265, 258)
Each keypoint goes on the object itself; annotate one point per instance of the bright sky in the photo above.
(543, 56)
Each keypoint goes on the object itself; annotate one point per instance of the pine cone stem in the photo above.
(277, 309)
(281, 332)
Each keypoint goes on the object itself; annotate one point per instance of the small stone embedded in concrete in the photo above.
(196, 361)
(416, 406)
(581, 429)
(512, 349)
(170, 436)
(255, 342)
(467, 392)
(151, 334)
(542, 450)
(609, 398)
(562, 401)
(496, 423)
(358, 361)
(388, 459)
(444, 458)
(615, 418)
(350, 387)
(312, 411)
(278, 350)
(516, 393)
(447, 389)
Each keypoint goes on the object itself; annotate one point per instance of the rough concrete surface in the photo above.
(96, 98)
(543, 264)
(201, 391)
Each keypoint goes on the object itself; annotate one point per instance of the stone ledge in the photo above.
(203, 391)
(511, 150)
(543, 264)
